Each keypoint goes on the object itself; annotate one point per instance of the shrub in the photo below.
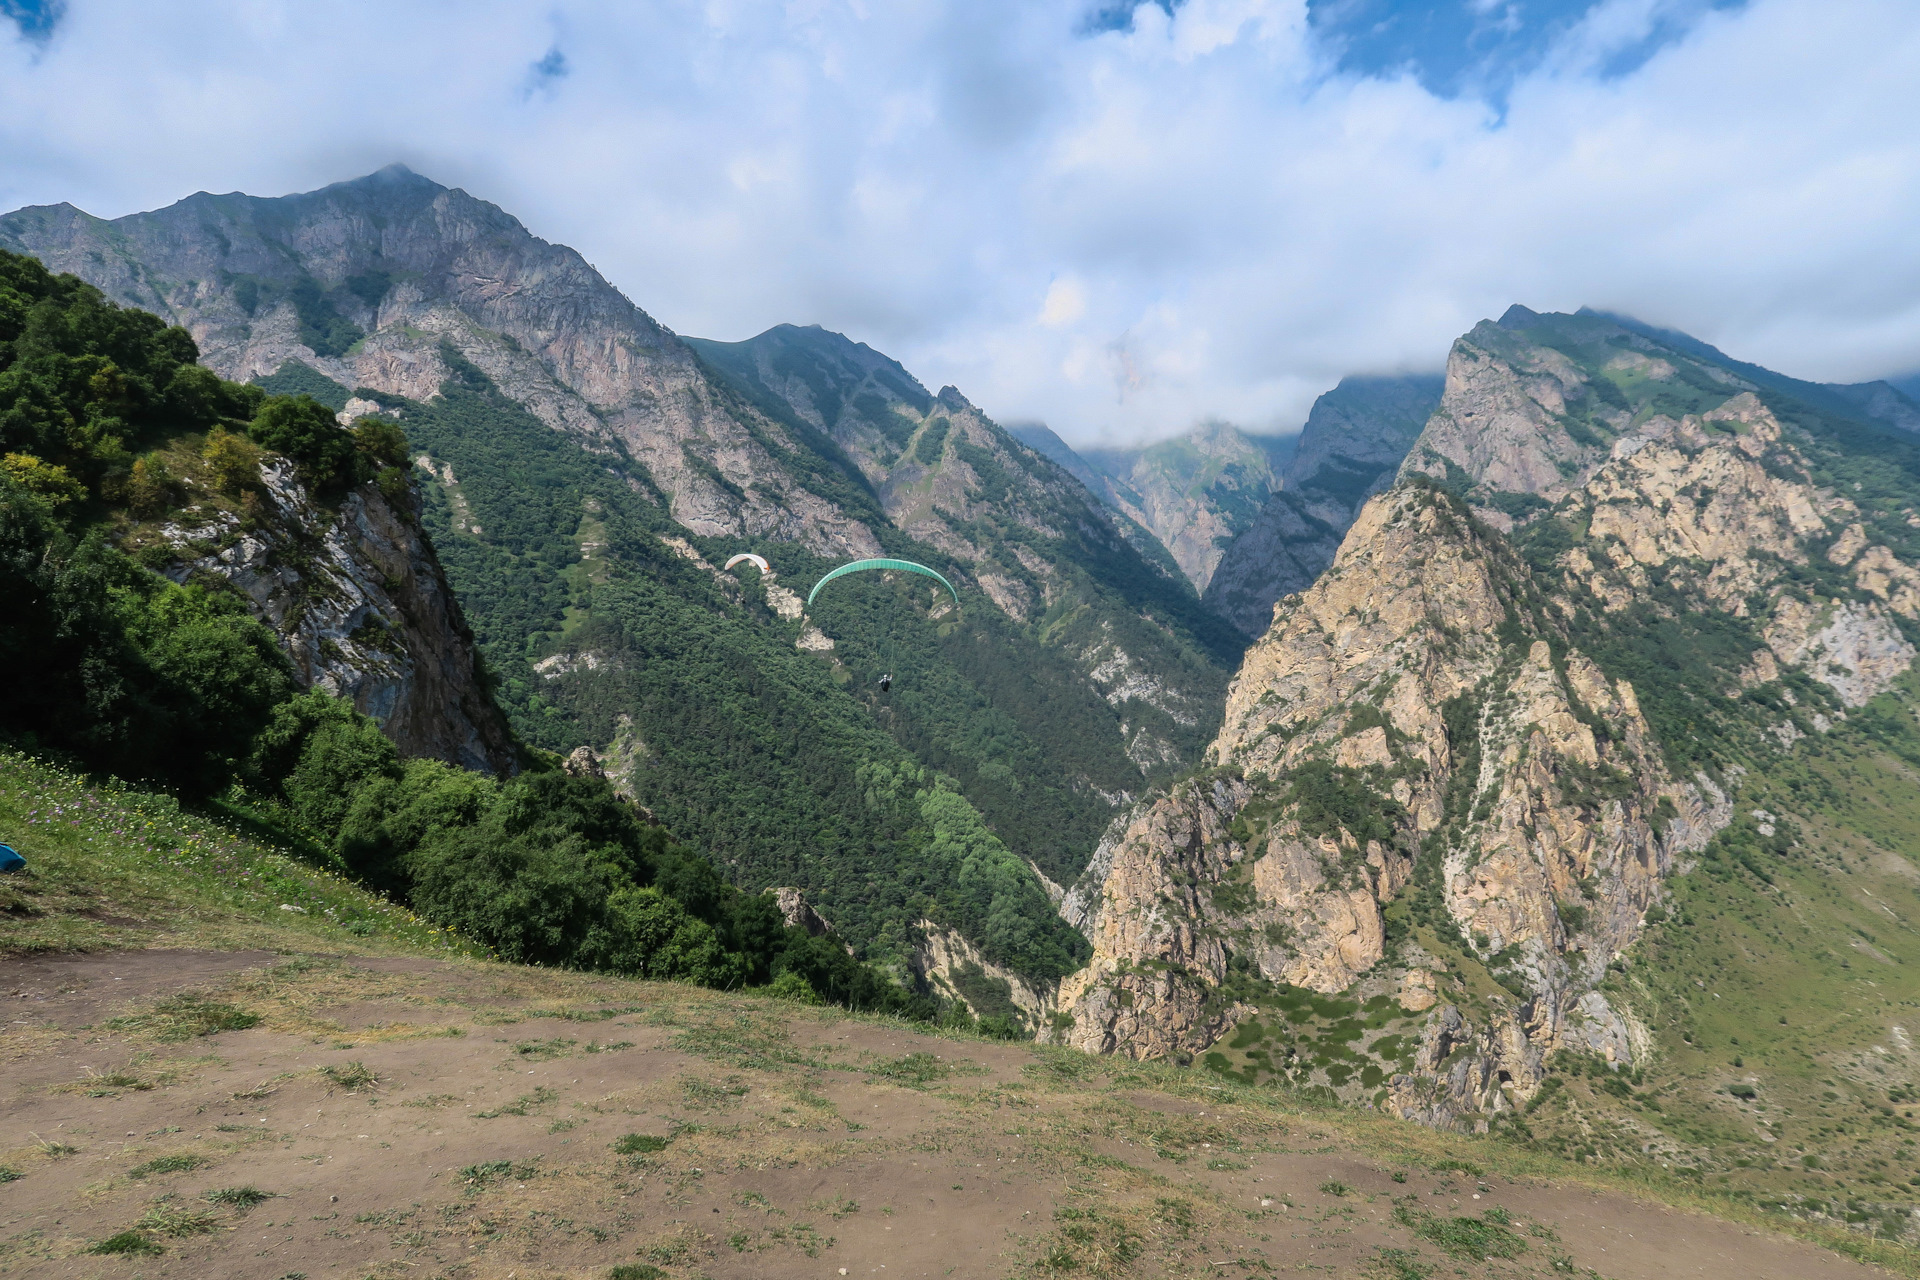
(233, 461)
(379, 443)
(315, 756)
(150, 488)
(305, 430)
(53, 485)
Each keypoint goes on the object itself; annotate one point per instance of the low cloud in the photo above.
(1121, 228)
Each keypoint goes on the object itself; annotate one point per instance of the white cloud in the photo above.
(1066, 301)
(1216, 224)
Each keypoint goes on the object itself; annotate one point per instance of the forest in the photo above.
(120, 670)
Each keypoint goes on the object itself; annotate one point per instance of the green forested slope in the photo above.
(109, 434)
(776, 762)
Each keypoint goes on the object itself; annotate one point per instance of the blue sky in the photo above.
(1119, 218)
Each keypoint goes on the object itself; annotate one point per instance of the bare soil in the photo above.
(491, 1141)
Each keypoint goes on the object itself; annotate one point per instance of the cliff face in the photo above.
(361, 604)
(1354, 439)
(1439, 801)
(364, 280)
(1383, 721)
(1196, 492)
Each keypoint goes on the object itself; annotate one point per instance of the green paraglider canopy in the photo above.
(858, 565)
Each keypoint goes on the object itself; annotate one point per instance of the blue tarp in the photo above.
(10, 860)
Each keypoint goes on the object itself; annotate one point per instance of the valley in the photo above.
(1511, 776)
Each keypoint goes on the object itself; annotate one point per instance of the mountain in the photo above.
(365, 281)
(1041, 439)
(1354, 439)
(1880, 401)
(951, 478)
(586, 474)
(1193, 492)
(1575, 799)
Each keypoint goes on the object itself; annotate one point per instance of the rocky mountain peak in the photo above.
(1354, 439)
(367, 281)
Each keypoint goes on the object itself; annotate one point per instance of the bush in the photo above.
(316, 755)
(379, 443)
(121, 667)
(305, 430)
(233, 460)
(51, 484)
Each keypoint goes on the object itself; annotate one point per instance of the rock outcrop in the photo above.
(1426, 787)
(1382, 721)
(953, 968)
(1196, 492)
(362, 606)
(1354, 440)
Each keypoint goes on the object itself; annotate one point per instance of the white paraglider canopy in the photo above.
(752, 559)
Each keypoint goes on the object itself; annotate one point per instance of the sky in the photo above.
(1118, 218)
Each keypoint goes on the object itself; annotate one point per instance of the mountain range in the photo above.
(1527, 749)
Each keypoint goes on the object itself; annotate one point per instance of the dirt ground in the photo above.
(419, 1119)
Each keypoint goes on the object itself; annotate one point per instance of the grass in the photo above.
(350, 1075)
(1475, 1239)
(166, 1164)
(915, 1070)
(238, 1197)
(128, 1244)
(185, 1016)
(639, 1143)
(113, 866)
(177, 1220)
(1777, 987)
(479, 1176)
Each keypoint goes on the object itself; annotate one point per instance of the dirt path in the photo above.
(492, 1141)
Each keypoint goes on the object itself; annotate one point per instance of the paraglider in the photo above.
(10, 860)
(858, 565)
(759, 562)
(886, 648)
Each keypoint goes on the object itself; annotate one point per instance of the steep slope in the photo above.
(1195, 491)
(1413, 728)
(586, 471)
(111, 430)
(1051, 561)
(1463, 775)
(355, 591)
(1041, 439)
(364, 280)
(1354, 439)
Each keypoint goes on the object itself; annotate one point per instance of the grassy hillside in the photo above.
(116, 866)
(1783, 987)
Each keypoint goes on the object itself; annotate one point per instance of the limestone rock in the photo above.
(1391, 675)
(363, 608)
(1354, 440)
(947, 963)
